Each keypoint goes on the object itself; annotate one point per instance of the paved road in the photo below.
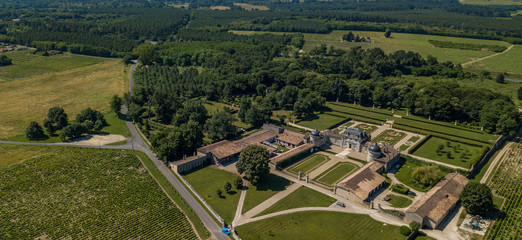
(137, 143)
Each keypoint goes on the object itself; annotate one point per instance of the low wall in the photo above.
(383, 211)
(478, 166)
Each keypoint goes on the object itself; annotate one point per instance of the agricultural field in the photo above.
(25, 64)
(506, 182)
(302, 197)
(309, 164)
(456, 154)
(77, 193)
(399, 201)
(366, 127)
(319, 225)
(271, 185)
(206, 181)
(322, 121)
(403, 41)
(506, 62)
(336, 173)
(390, 137)
(73, 89)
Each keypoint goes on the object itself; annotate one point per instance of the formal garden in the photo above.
(389, 137)
(309, 164)
(336, 173)
(366, 127)
(451, 152)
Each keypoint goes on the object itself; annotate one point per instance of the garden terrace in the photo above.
(335, 173)
(389, 136)
(453, 153)
(309, 164)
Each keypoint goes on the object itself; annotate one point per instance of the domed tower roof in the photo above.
(315, 133)
(374, 148)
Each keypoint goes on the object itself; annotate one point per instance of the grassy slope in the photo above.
(403, 41)
(336, 173)
(428, 150)
(319, 225)
(506, 62)
(76, 193)
(73, 89)
(207, 181)
(302, 197)
(309, 164)
(270, 186)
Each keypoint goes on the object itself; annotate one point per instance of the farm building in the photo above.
(438, 202)
(362, 184)
(353, 138)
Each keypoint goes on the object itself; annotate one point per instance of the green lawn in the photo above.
(403, 41)
(271, 185)
(389, 136)
(309, 164)
(399, 201)
(336, 173)
(207, 181)
(319, 225)
(302, 197)
(321, 121)
(403, 147)
(456, 150)
(506, 62)
(25, 64)
(413, 139)
(368, 128)
(404, 176)
(85, 194)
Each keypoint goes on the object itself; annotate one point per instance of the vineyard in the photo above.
(86, 194)
(507, 183)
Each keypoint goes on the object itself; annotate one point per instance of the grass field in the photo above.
(336, 173)
(270, 186)
(390, 137)
(27, 65)
(309, 164)
(319, 225)
(399, 201)
(403, 41)
(302, 197)
(321, 121)
(404, 176)
(207, 181)
(368, 128)
(73, 89)
(460, 154)
(506, 62)
(77, 194)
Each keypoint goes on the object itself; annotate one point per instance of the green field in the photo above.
(207, 181)
(399, 201)
(336, 173)
(302, 197)
(271, 185)
(390, 137)
(321, 121)
(84, 194)
(405, 177)
(403, 41)
(461, 155)
(26, 64)
(319, 225)
(309, 164)
(506, 62)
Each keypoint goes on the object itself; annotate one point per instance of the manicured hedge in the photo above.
(289, 161)
(456, 138)
(400, 189)
(417, 145)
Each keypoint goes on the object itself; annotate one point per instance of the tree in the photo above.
(415, 226)
(146, 53)
(5, 61)
(227, 187)
(218, 192)
(34, 131)
(91, 118)
(405, 230)
(127, 59)
(388, 33)
(500, 78)
(440, 147)
(253, 162)
(238, 183)
(477, 198)
(74, 130)
(116, 103)
(520, 93)
(427, 175)
(56, 119)
(220, 126)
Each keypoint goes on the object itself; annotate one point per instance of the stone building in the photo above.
(385, 154)
(353, 138)
(363, 184)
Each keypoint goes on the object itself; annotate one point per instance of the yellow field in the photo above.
(29, 99)
(250, 7)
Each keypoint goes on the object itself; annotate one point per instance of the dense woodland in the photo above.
(190, 54)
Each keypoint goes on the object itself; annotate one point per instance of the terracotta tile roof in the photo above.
(221, 149)
(292, 152)
(363, 181)
(258, 137)
(291, 137)
(436, 203)
(388, 153)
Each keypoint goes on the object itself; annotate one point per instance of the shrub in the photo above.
(34, 131)
(415, 226)
(405, 230)
(400, 189)
(427, 175)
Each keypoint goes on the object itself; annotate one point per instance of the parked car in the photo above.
(340, 204)
(412, 193)
(225, 231)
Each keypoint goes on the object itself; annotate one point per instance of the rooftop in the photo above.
(221, 149)
(291, 137)
(363, 181)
